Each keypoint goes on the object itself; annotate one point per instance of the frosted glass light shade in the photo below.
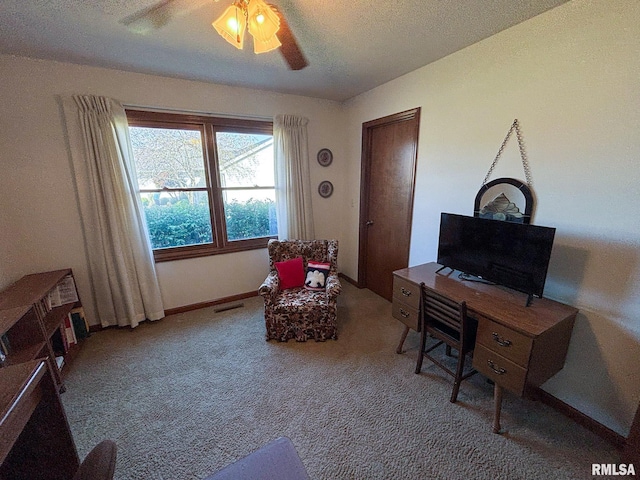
(264, 23)
(231, 25)
(262, 47)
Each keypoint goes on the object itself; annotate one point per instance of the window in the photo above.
(206, 184)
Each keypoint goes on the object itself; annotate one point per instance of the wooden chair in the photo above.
(100, 463)
(446, 321)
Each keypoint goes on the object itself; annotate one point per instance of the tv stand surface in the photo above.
(467, 277)
(529, 300)
(517, 346)
(451, 270)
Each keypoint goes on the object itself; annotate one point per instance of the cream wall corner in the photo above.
(41, 229)
(571, 76)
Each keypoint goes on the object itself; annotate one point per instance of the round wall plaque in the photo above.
(325, 157)
(325, 189)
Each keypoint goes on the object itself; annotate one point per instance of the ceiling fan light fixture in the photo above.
(262, 47)
(231, 25)
(264, 23)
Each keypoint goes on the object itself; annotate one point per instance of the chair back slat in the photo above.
(443, 313)
(444, 310)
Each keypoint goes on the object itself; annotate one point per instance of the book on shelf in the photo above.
(4, 349)
(42, 307)
(4, 344)
(64, 292)
(63, 338)
(79, 322)
(69, 331)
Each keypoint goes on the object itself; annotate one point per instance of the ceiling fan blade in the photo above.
(290, 49)
(158, 15)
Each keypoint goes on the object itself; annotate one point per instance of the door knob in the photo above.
(369, 223)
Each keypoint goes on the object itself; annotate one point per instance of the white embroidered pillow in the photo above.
(316, 275)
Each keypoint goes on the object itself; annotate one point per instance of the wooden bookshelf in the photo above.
(35, 439)
(31, 327)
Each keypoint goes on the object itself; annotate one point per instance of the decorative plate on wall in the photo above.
(325, 189)
(325, 157)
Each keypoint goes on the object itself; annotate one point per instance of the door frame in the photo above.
(365, 177)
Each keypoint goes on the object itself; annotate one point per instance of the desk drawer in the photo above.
(407, 292)
(406, 314)
(502, 371)
(507, 343)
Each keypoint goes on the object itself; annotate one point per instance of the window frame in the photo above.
(209, 126)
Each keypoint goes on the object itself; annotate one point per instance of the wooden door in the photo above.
(389, 151)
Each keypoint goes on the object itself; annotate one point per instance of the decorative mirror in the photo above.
(504, 199)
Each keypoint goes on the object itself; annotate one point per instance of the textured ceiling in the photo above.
(351, 46)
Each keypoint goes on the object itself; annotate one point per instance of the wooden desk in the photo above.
(518, 347)
(35, 439)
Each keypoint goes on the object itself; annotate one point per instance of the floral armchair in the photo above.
(298, 312)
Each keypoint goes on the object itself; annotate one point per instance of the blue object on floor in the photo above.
(276, 460)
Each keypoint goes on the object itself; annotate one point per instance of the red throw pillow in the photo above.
(291, 273)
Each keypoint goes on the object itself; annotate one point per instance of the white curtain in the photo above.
(121, 266)
(293, 185)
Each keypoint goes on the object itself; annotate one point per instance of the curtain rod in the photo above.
(147, 108)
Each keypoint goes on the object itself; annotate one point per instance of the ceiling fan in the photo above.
(245, 12)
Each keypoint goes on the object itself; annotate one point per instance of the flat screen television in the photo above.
(514, 255)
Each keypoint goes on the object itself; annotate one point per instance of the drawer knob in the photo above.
(405, 292)
(497, 370)
(404, 314)
(500, 341)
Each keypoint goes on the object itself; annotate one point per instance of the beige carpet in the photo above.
(185, 396)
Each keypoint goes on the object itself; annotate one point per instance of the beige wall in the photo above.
(40, 219)
(572, 78)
